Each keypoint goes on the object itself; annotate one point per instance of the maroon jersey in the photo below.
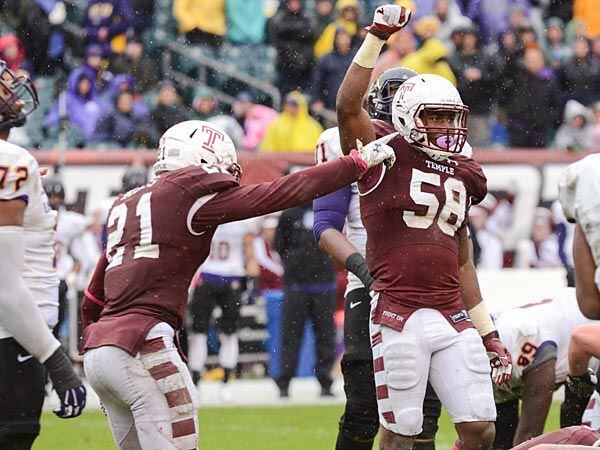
(160, 233)
(413, 213)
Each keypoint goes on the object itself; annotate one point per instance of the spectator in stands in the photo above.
(400, 44)
(124, 83)
(541, 250)
(556, 51)
(449, 17)
(349, 12)
(142, 15)
(294, 130)
(430, 58)
(169, 110)
(134, 62)
(13, 53)
(486, 238)
(121, 125)
(527, 37)
(96, 67)
(492, 16)
(106, 22)
(532, 102)
(325, 12)
(563, 9)
(202, 22)
(37, 23)
(595, 128)
(426, 27)
(575, 133)
(588, 12)
(581, 74)
(246, 22)
(293, 32)
(309, 285)
(330, 72)
(205, 104)
(80, 107)
(476, 73)
(253, 118)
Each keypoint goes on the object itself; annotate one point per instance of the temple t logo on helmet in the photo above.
(429, 113)
(195, 142)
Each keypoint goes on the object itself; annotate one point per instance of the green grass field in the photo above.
(243, 428)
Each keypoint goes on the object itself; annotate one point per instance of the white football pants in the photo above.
(429, 348)
(149, 399)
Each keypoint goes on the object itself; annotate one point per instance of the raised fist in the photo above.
(500, 358)
(375, 152)
(388, 19)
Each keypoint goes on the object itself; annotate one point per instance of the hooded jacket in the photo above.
(430, 58)
(329, 73)
(293, 35)
(82, 111)
(292, 133)
(571, 137)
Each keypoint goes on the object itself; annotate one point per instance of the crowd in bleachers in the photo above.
(529, 70)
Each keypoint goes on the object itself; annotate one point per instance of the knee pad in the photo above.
(401, 364)
(482, 405)
(409, 422)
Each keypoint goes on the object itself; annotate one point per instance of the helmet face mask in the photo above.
(18, 98)
(196, 142)
(429, 113)
(382, 91)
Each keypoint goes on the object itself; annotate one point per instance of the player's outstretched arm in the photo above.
(588, 296)
(538, 386)
(353, 120)
(500, 358)
(243, 202)
(329, 217)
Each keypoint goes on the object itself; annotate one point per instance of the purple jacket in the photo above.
(491, 16)
(112, 14)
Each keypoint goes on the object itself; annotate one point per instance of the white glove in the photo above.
(377, 152)
(388, 19)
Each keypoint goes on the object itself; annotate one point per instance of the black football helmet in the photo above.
(382, 91)
(55, 191)
(18, 98)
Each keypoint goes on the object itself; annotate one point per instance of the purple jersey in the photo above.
(413, 213)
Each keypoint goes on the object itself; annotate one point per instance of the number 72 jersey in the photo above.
(413, 214)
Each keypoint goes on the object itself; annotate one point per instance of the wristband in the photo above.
(481, 319)
(368, 53)
(356, 264)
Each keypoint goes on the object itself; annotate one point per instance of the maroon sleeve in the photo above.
(242, 202)
(200, 180)
(479, 184)
(93, 299)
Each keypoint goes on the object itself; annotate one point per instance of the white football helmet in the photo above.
(416, 110)
(192, 143)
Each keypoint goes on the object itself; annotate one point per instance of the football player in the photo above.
(359, 424)
(74, 242)
(158, 235)
(537, 335)
(565, 437)
(29, 292)
(579, 195)
(222, 278)
(418, 252)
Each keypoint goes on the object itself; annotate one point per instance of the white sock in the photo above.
(198, 351)
(229, 351)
